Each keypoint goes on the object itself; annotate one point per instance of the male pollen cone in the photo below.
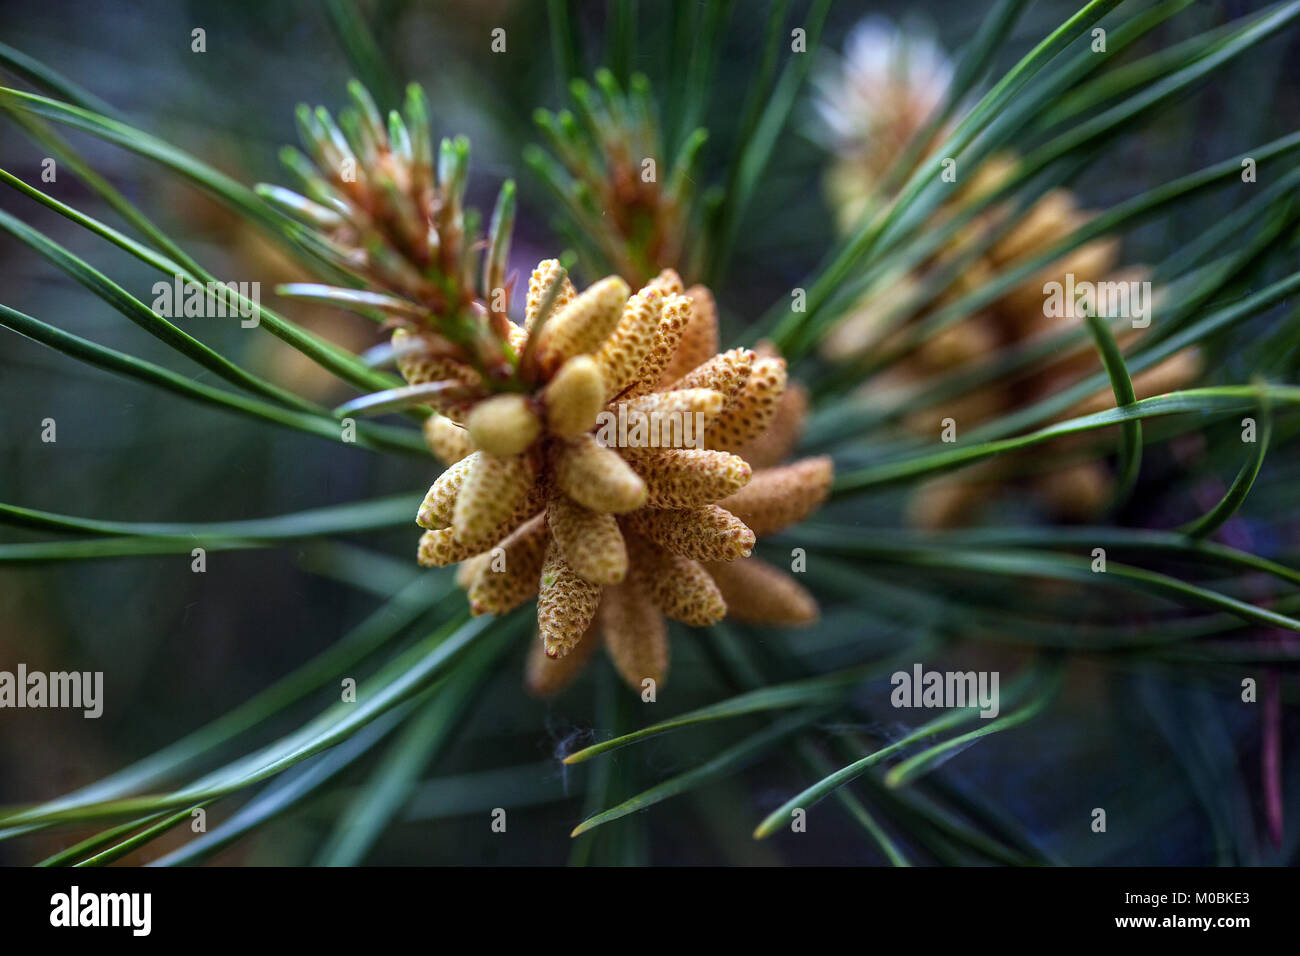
(615, 529)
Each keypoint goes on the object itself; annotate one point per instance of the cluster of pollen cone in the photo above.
(1076, 490)
(613, 538)
(877, 103)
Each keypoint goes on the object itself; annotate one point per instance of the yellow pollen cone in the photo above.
(574, 397)
(503, 425)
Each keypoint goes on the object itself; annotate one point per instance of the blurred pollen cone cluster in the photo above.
(871, 104)
(910, 75)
